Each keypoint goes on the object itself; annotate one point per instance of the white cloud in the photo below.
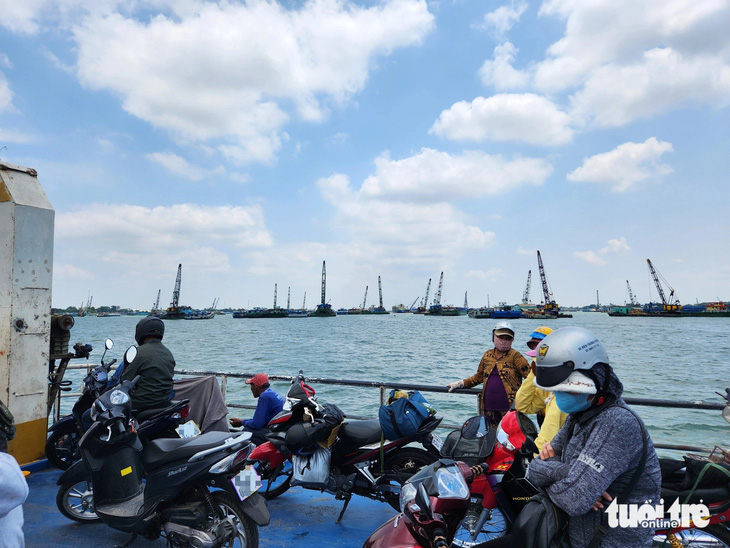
(615, 95)
(505, 117)
(136, 231)
(625, 166)
(434, 176)
(6, 94)
(499, 73)
(615, 246)
(72, 272)
(233, 87)
(178, 165)
(396, 231)
(504, 18)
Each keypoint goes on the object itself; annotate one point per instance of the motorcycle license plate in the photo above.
(246, 482)
(437, 442)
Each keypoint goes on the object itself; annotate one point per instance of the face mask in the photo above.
(502, 345)
(568, 403)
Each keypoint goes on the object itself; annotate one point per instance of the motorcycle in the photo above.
(358, 459)
(62, 446)
(195, 492)
(449, 503)
(470, 495)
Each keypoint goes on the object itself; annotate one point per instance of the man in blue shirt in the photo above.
(269, 405)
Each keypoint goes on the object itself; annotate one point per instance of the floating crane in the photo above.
(215, 303)
(275, 290)
(549, 304)
(437, 297)
(324, 308)
(156, 306)
(175, 311)
(632, 299)
(413, 303)
(526, 292)
(424, 302)
(466, 301)
(365, 298)
(288, 298)
(380, 293)
(671, 304)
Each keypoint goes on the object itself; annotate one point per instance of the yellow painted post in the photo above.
(26, 263)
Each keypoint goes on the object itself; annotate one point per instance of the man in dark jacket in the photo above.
(155, 364)
(593, 458)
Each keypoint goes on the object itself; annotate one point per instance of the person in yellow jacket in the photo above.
(531, 400)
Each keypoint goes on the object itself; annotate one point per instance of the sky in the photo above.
(251, 141)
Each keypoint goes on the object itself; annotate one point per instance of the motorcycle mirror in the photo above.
(130, 354)
(424, 502)
(109, 344)
(475, 427)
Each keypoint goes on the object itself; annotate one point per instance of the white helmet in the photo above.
(502, 328)
(564, 351)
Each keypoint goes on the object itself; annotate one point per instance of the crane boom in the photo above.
(413, 303)
(365, 298)
(526, 292)
(632, 299)
(176, 292)
(156, 306)
(437, 298)
(466, 301)
(380, 292)
(324, 282)
(671, 304)
(428, 289)
(543, 280)
(275, 296)
(288, 298)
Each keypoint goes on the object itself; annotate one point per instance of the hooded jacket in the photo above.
(598, 450)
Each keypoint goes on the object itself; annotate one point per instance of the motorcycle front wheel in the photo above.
(712, 536)
(400, 466)
(62, 447)
(247, 532)
(76, 501)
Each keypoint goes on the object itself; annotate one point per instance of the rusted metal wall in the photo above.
(26, 262)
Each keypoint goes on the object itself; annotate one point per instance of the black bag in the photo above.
(541, 524)
(699, 475)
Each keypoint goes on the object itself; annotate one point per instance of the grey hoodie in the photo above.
(598, 450)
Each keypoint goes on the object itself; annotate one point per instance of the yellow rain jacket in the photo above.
(531, 399)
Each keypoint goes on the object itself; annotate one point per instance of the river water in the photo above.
(657, 358)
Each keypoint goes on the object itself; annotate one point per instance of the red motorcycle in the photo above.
(340, 457)
(469, 498)
(453, 504)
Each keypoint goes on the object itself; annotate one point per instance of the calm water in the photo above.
(659, 358)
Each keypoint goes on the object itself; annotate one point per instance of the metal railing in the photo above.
(384, 387)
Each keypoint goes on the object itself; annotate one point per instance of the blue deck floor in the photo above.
(298, 518)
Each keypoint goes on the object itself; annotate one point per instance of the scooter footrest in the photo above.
(126, 509)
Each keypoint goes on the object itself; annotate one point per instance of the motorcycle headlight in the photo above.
(407, 494)
(118, 397)
(451, 483)
(503, 438)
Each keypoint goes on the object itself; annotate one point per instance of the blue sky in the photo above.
(251, 141)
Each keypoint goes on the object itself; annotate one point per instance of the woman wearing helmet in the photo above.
(154, 362)
(501, 371)
(531, 399)
(593, 458)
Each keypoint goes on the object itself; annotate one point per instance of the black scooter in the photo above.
(197, 491)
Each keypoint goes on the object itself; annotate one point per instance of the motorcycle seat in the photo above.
(705, 495)
(361, 432)
(154, 411)
(161, 451)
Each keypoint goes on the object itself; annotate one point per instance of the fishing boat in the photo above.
(298, 313)
(506, 312)
(342, 311)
